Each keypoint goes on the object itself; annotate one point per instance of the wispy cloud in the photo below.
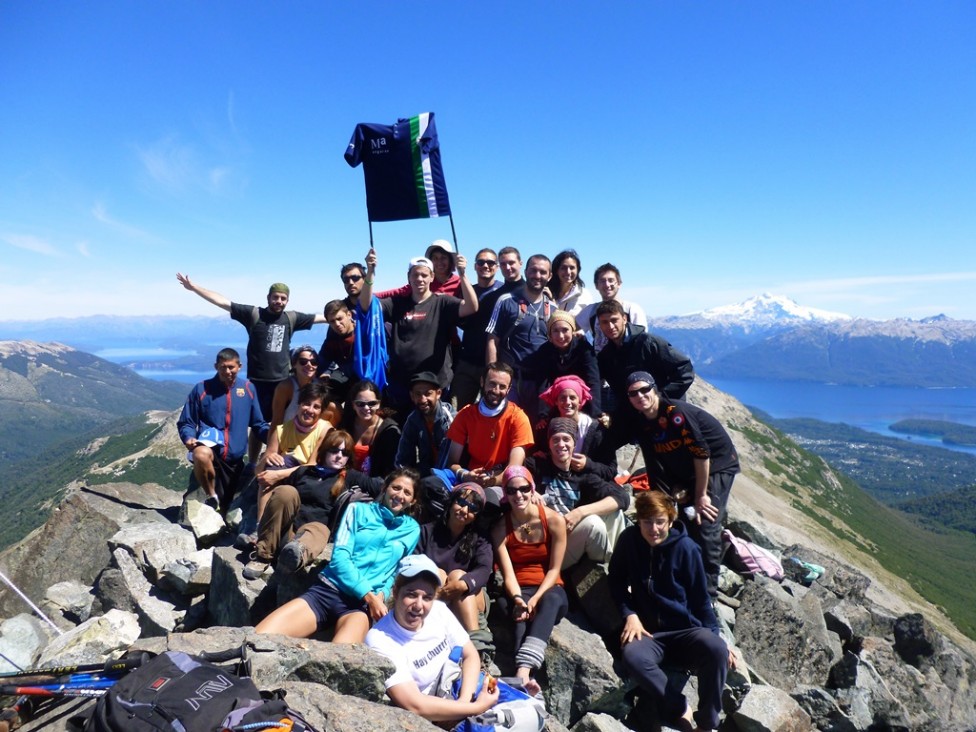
(101, 215)
(83, 249)
(30, 243)
(180, 168)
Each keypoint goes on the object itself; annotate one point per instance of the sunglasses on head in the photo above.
(366, 405)
(511, 490)
(307, 361)
(485, 262)
(642, 390)
(351, 278)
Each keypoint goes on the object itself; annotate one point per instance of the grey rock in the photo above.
(768, 709)
(203, 521)
(71, 599)
(916, 641)
(95, 640)
(599, 723)
(158, 615)
(729, 582)
(738, 683)
(823, 709)
(588, 581)
(335, 712)
(72, 545)
(112, 592)
(554, 725)
(578, 673)
(726, 617)
(189, 575)
(153, 545)
(838, 579)
(837, 622)
(785, 639)
(21, 639)
(233, 600)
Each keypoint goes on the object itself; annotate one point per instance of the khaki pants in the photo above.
(595, 537)
(276, 527)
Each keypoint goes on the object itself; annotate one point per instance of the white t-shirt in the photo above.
(418, 656)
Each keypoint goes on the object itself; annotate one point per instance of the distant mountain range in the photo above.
(771, 337)
(764, 337)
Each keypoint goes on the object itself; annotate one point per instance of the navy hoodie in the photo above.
(664, 585)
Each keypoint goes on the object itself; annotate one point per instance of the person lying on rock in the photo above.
(295, 524)
(352, 589)
(657, 580)
(419, 636)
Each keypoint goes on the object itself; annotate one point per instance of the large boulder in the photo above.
(189, 575)
(335, 712)
(768, 709)
(233, 600)
(578, 673)
(153, 545)
(21, 639)
(158, 614)
(784, 638)
(70, 600)
(94, 641)
(73, 544)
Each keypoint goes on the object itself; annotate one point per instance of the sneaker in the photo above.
(292, 557)
(256, 568)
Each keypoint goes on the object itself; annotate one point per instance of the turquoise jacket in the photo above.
(369, 544)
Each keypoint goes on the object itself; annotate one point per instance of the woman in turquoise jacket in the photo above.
(352, 589)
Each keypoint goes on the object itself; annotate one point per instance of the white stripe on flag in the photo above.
(423, 121)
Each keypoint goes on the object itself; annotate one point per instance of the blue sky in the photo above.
(713, 151)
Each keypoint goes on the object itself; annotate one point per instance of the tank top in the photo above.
(529, 560)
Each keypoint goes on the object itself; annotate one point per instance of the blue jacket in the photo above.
(416, 443)
(664, 585)
(232, 411)
(369, 544)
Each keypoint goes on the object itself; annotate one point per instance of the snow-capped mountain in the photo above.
(767, 309)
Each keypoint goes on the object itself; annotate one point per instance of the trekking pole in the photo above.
(33, 607)
(85, 687)
(118, 665)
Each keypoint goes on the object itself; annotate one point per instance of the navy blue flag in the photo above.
(402, 168)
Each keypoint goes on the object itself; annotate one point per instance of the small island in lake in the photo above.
(951, 433)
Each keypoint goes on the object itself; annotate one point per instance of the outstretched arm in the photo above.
(209, 295)
(366, 294)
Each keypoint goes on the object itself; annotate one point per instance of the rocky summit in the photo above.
(120, 566)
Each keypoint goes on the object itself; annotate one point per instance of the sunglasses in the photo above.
(642, 390)
(366, 405)
(336, 451)
(307, 361)
(523, 489)
(351, 278)
(485, 262)
(470, 505)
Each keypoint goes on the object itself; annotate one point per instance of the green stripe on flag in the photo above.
(418, 168)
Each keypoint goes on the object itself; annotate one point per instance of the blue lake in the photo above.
(870, 408)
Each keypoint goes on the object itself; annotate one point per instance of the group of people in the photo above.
(474, 424)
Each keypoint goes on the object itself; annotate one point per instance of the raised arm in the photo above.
(469, 298)
(366, 294)
(209, 295)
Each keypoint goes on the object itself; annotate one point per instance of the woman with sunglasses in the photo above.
(658, 582)
(458, 545)
(284, 405)
(352, 589)
(530, 541)
(375, 434)
(299, 510)
(565, 284)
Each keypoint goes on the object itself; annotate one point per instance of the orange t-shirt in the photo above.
(490, 439)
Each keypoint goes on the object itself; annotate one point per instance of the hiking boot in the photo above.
(256, 568)
(292, 557)
(246, 542)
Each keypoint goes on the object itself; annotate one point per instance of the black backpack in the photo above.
(175, 691)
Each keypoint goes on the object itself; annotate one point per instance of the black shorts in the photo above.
(328, 604)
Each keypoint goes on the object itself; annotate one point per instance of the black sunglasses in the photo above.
(307, 361)
(351, 278)
(512, 490)
(642, 390)
(485, 262)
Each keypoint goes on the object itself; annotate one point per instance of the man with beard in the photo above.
(213, 426)
(423, 440)
(494, 433)
(269, 332)
(517, 330)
